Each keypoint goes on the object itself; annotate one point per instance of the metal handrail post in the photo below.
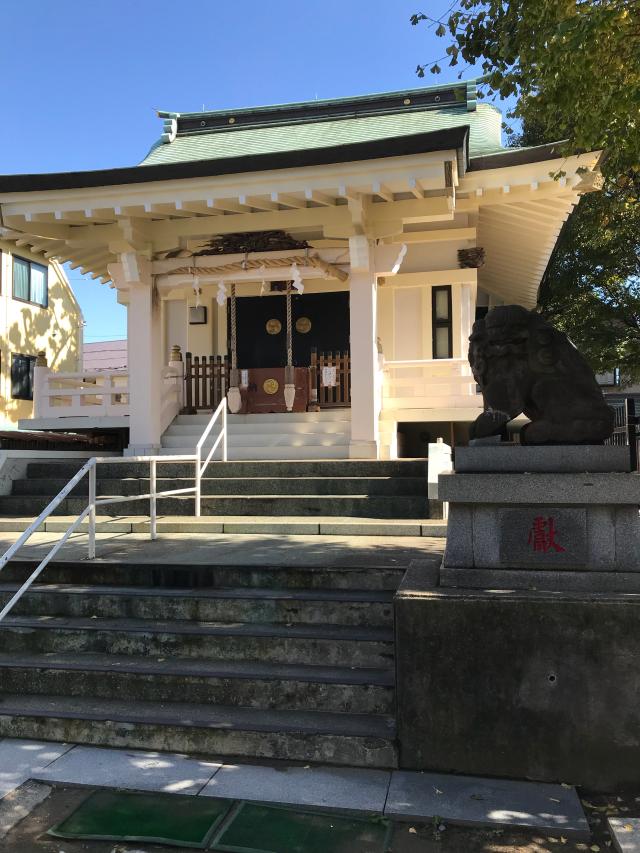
(198, 480)
(224, 434)
(153, 500)
(92, 511)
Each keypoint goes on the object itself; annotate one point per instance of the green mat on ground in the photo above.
(256, 828)
(159, 818)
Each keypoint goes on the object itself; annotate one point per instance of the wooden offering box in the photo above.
(265, 390)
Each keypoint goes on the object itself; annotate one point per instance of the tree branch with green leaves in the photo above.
(571, 64)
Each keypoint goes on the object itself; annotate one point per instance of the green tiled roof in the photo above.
(297, 127)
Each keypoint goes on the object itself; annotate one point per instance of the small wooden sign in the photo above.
(329, 376)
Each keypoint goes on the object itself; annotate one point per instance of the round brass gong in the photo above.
(273, 326)
(270, 386)
(303, 325)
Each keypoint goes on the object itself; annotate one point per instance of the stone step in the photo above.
(323, 416)
(362, 506)
(390, 486)
(309, 736)
(196, 577)
(306, 453)
(252, 468)
(331, 645)
(264, 441)
(239, 428)
(244, 684)
(242, 525)
(309, 607)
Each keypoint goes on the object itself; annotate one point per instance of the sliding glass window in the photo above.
(442, 327)
(30, 282)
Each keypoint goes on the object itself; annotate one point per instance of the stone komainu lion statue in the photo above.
(524, 365)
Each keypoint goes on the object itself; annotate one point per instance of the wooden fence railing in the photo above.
(331, 378)
(206, 381)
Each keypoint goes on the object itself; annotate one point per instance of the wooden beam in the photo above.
(547, 190)
(172, 281)
(167, 234)
(434, 277)
(319, 198)
(88, 262)
(349, 193)
(415, 188)
(55, 248)
(48, 230)
(169, 265)
(382, 191)
(331, 270)
(433, 208)
(258, 203)
(227, 205)
(437, 235)
(288, 200)
(495, 219)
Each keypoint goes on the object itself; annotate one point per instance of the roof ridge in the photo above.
(470, 87)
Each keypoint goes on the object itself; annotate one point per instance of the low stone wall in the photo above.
(528, 684)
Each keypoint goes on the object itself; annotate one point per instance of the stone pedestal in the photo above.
(541, 509)
(523, 658)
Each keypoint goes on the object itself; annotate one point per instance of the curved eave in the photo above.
(419, 143)
(517, 156)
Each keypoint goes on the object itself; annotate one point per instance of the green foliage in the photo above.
(591, 288)
(569, 62)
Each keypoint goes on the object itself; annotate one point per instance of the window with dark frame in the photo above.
(30, 282)
(22, 376)
(441, 322)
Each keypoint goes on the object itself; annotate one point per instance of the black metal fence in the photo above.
(627, 427)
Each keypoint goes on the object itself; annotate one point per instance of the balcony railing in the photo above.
(429, 384)
(100, 393)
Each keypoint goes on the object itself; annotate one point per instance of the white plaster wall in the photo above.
(408, 323)
(200, 337)
(175, 317)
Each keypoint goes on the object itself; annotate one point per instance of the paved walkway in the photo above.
(238, 548)
(399, 795)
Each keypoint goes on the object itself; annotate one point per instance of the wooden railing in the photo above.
(206, 381)
(330, 379)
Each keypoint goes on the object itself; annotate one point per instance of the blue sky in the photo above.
(82, 79)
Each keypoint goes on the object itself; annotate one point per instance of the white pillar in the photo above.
(144, 344)
(364, 352)
(41, 373)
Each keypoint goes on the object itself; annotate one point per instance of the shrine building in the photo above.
(323, 262)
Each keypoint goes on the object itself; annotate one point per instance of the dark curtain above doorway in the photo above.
(328, 328)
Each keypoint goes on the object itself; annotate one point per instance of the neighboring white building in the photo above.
(401, 216)
(105, 355)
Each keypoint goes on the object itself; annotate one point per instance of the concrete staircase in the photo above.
(313, 489)
(279, 662)
(303, 435)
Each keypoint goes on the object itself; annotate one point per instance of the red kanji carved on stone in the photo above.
(542, 536)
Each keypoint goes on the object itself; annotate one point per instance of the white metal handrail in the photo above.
(90, 469)
(200, 468)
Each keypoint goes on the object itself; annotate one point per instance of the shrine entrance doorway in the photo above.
(320, 321)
